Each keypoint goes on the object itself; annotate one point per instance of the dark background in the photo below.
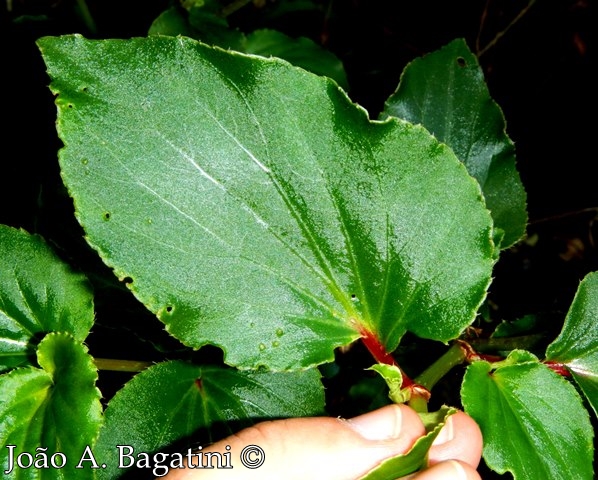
(540, 72)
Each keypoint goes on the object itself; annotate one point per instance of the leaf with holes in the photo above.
(577, 346)
(533, 421)
(445, 92)
(38, 294)
(56, 408)
(201, 404)
(256, 208)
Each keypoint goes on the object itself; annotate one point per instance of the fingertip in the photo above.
(460, 439)
(390, 423)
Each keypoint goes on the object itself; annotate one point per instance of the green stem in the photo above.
(86, 15)
(115, 365)
(452, 357)
(418, 403)
(502, 344)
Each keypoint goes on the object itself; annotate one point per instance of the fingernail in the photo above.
(382, 424)
(459, 470)
(447, 432)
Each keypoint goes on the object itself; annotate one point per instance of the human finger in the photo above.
(316, 447)
(460, 439)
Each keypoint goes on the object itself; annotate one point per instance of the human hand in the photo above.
(337, 449)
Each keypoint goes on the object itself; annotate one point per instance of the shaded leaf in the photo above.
(445, 91)
(187, 405)
(577, 345)
(38, 294)
(533, 420)
(172, 22)
(301, 51)
(56, 407)
(206, 24)
(519, 326)
(256, 208)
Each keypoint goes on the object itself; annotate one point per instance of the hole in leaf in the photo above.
(70, 105)
(127, 280)
(169, 309)
(461, 62)
(106, 216)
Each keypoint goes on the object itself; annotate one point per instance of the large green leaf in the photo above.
(38, 294)
(577, 345)
(445, 91)
(178, 402)
(253, 206)
(533, 421)
(56, 408)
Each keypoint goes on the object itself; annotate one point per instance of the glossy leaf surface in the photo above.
(56, 407)
(187, 405)
(533, 421)
(445, 91)
(38, 294)
(255, 207)
(577, 345)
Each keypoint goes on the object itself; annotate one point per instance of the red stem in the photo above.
(380, 354)
(559, 368)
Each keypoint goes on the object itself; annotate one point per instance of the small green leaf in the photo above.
(519, 326)
(533, 420)
(176, 403)
(256, 208)
(57, 408)
(445, 91)
(206, 25)
(172, 22)
(577, 345)
(416, 457)
(394, 379)
(302, 52)
(38, 294)
(212, 27)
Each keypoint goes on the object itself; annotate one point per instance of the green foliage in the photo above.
(276, 236)
(519, 405)
(203, 399)
(206, 22)
(576, 346)
(55, 407)
(445, 92)
(252, 206)
(30, 305)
